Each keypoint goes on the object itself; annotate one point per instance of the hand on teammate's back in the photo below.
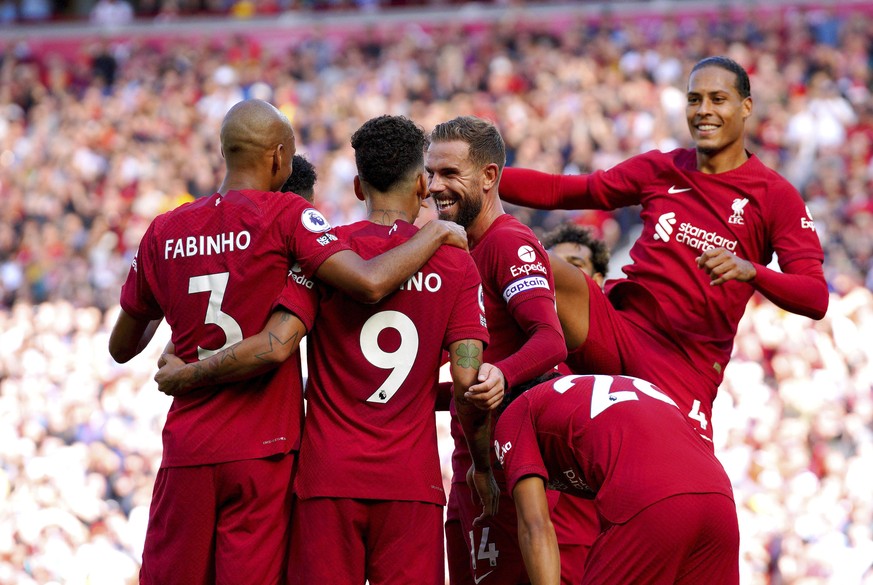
(168, 375)
(455, 235)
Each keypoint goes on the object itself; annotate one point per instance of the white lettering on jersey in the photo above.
(431, 282)
(527, 269)
(807, 222)
(206, 245)
(523, 284)
(296, 274)
(501, 450)
(700, 239)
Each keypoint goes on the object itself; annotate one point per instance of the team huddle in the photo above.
(581, 411)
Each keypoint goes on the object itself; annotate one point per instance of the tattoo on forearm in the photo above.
(274, 347)
(468, 356)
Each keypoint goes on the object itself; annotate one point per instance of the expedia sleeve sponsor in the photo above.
(523, 284)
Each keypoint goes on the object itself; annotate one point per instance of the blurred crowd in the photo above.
(95, 142)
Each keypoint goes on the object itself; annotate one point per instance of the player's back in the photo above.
(622, 438)
(213, 268)
(370, 429)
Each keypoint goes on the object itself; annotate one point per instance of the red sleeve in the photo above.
(467, 319)
(137, 296)
(545, 347)
(542, 190)
(801, 288)
(299, 296)
(516, 444)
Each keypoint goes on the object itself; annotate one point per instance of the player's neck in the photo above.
(492, 208)
(713, 163)
(384, 216)
(241, 181)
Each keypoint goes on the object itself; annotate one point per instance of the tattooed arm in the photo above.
(467, 368)
(254, 355)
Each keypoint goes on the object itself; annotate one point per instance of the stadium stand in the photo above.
(99, 133)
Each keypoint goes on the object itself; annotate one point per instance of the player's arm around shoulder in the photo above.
(536, 534)
(369, 281)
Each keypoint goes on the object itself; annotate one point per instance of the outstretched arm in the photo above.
(130, 336)
(800, 288)
(536, 534)
(369, 281)
(543, 190)
(252, 356)
(466, 359)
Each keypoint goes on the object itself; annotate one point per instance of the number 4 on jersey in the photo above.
(487, 551)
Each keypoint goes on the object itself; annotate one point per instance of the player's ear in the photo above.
(421, 188)
(491, 174)
(359, 192)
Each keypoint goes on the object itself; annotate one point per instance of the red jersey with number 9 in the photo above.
(214, 269)
(370, 428)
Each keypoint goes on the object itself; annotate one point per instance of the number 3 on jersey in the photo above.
(399, 361)
(216, 285)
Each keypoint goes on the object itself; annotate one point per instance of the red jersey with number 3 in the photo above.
(214, 269)
(370, 427)
(617, 439)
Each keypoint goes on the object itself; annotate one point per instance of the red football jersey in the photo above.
(370, 428)
(751, 210)
(214, 268)
(617, 439)
(514, 268)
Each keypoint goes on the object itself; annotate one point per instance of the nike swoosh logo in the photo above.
(476, 581)
(673, 190)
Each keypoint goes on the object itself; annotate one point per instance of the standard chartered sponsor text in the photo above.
(700, 239)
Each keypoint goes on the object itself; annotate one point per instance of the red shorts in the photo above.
(576, 527)
(221, 523)
(617, 345)
(350, 541)
(493, 555)
(686, 539)
(457, 547)
(492, 552)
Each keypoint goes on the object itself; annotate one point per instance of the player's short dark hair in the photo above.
(485, 142)
(387, 150)
(302, 179)
(574, 233)
(742, 85)
(514, 392)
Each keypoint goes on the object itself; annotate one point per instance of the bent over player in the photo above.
(664, 502)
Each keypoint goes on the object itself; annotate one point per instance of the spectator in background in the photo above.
(302, 179)
(112, 13)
